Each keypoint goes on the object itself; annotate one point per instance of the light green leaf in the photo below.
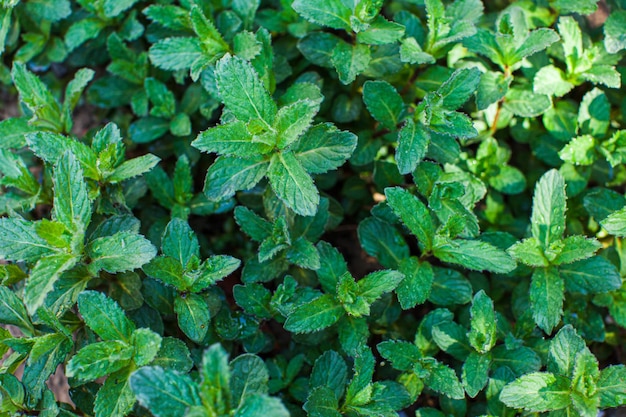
(549, 205)
(413, 141)
(242, 92)
(330, 371)
(231, 139)
(575, 248)
(292, 184)
(322, 402)
(441, 378)
(316, 315)
(229, 174)
(99, 359)
(147, 344)
(213, 269)
(249, 377)
(482, 335)
(193, 316)
(474, 254)
(411, 52)
(12, 311)
(564, 347)
(374, 285)
(293, 120)
(615, 223)
(528, 252)
(104, 316)
(71, 205)
(179, 241)
(537, 392)
(416, 285)
(123, 251)
(491, 88)
(350, 60)
(475, 373)
(414, 214)
(115, 398)
(175, 54)
(546, 298)
(402, 355)
(19, 241)
(323, 148)
(166, 393)
(525, 103)
(167, 270)
(332, 13)
(457, 89)
(383, 102)
(43, 277)
(133, 167)
(580, 151)
(551, 80)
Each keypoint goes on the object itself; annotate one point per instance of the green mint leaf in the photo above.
(43, 277)
(162, 99)
(175, 54)
(452, 339)
(475, 374)
(193, 316)
(584, 379)
(549, 205)
(537, 40)
(592, 275)
(482, 335)
(212, 41)
(166, 393)
(215, 377)
(611, 386)
(580, 151)
(383, 241)
(323, 148)
(71, 205)
(123, 251)
(330, 371)
(529, 252)
(37, 97)
(383, 102)
(449, 288)
(19, 241)
(261, 405)
(133, 168)
(304, 254)
(546, 298)
(440, 378)
(537, 392)
(253, 299)
(115, 398)
(213, 269)
(242, 92)
(168, 270)
(104, 316)
(552, 81)
(292, 184)
(350, 60)
(615, 35)
(231, 139)
(374, 285)
(82, 31)
(180, 242)
(173, 354)
(99, 359)
(474, 254)
(147, 345)
(564, 347)
(332, 13)
(413, 141)
(584, 7)
(229, 174)
(380, 32)
(414, 214)
(51, 147)
(315, 315)
(576, 248)
(73, 92)
(525, 103)
(615, 223)
(12, 311)
(594, 113)
(250, 377)
(332, 266)
(411, 52)
(322, 402)
(417, 283)
(459, 87)
(293, 120)
(402, 355)
(252, 224)
(491, 88)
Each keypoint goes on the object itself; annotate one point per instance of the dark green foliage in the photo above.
(323, 208)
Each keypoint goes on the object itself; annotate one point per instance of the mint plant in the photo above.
(312, 208)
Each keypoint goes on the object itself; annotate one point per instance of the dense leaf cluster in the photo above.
(318, 208)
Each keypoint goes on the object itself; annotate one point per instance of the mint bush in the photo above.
(312, 208)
